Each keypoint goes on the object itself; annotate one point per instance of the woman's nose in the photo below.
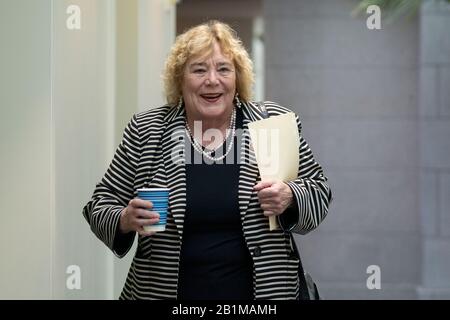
(212, 78)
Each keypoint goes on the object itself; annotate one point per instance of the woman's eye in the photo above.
(199, 70)
(224, 71)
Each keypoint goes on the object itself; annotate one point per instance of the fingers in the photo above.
(139, 208)
(146, 222)
(268, 189)
(139, 215)
(270, 195)
(145, 214)
(139, 203)
(268, 198)
(273, 197)
(141, 223)
(262, 185)
(267, 193)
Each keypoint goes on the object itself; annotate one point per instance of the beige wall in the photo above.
(66, 96)
(83, 116)
(25, 170)
(126, 63)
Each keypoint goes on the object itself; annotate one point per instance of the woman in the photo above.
(217, 243)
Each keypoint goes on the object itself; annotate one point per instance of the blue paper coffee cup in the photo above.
(159, 197)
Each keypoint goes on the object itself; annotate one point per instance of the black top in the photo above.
(215, 262)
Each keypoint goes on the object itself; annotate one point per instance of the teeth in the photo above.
(211, 96)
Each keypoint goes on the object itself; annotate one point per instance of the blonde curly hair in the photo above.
(199, 40)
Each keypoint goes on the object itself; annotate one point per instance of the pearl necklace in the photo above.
(198, 146)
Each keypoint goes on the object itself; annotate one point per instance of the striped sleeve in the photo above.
(311, 190)
(114, 191)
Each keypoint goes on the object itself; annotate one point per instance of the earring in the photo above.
(237, 101)
(180, 102)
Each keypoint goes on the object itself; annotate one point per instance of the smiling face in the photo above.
(209, 86)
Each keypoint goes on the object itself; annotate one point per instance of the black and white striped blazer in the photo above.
(144, 158)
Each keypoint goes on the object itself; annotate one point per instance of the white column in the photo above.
(25, 208)
(258, 57)
(156, 34)
(83, 85)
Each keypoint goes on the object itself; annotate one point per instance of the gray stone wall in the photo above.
(434, 135)
(355, 90)
(375, 107)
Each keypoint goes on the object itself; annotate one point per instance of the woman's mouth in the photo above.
(211, 97)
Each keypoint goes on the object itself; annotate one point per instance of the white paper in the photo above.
(276, 142)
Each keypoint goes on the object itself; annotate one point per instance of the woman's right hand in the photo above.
(136, 215)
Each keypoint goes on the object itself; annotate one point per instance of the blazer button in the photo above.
(257, 252)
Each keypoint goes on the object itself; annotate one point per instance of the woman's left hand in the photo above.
(274, 197)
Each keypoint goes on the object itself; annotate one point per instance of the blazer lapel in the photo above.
(174, 164)
(248, 172)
